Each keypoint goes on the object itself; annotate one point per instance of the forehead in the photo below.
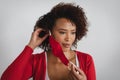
(63, 23)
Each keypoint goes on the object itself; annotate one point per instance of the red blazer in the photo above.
(28, 65)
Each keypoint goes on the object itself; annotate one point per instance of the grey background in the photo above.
(17, 18)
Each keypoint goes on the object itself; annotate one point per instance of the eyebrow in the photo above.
(66, 29)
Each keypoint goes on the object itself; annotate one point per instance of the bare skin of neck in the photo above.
(54, 65)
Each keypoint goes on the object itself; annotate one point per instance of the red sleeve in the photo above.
(91, 74)
(21, 68)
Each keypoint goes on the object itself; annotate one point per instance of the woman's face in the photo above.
(64, 32)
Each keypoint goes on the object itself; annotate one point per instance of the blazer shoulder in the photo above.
(83, 54)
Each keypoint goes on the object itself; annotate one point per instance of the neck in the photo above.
(69, 54)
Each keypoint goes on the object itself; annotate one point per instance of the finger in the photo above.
(71, 76)
(77, 69)
(45, 36)
(38, 28)
(37, 31)
(80, 71)
(69, 66)
(76, 73)
(41, 33)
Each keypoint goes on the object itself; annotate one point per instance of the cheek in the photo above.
(73, 38)
(59, 39)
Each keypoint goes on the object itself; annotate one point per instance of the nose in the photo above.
(67, 37)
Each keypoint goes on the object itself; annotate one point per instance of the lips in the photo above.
(66, 45)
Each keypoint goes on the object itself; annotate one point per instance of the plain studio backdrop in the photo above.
(17, 18)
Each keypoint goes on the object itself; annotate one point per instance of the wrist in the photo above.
(31, 46)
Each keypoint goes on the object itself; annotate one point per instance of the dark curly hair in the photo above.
(70, 11)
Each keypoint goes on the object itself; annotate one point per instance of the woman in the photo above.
(67, 24)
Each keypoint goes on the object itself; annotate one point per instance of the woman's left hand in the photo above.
(76, 73)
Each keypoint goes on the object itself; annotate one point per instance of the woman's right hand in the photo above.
(35, 39)
(76, 73)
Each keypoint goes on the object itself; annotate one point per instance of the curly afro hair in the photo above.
(70, 11)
